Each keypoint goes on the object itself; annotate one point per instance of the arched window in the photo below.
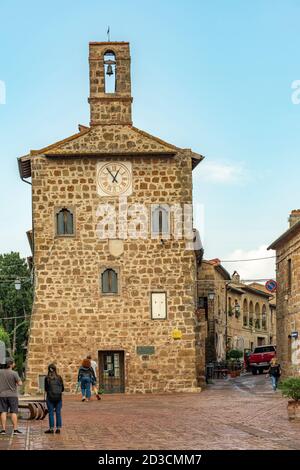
(257, 316)
(245, 312)
(64, 222)
(110, 81)
(264, 317)
(109, 281)
(160, 221)
(250, 313)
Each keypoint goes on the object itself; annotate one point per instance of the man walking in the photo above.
(9, 381)
(94, 367)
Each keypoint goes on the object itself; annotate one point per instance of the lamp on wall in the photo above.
(237, 307)
(211, 296)
(17, 284)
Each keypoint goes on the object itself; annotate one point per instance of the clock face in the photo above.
(114, 178)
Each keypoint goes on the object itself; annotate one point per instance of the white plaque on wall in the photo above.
(158, 305)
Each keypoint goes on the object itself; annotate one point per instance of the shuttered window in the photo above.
(109, 282)
(64, 222)
(160, 221)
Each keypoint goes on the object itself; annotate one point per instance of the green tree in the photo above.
(15, 305)
(4, 336)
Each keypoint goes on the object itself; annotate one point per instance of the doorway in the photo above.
(111, 371)
(261, 341)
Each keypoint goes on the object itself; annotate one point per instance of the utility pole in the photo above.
(226, 314)
(14, 337)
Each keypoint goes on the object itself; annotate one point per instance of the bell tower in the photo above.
(110, 84)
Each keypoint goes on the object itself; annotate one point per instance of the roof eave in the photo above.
(24, 165)
(107, 154)
(287, 233)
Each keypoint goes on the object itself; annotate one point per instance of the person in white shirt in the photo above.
(94, 367)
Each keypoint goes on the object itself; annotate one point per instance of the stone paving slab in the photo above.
(242, 413)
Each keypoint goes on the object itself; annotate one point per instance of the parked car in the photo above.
(261, 357)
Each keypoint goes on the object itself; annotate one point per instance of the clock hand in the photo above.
(115, 177)
(111, 174)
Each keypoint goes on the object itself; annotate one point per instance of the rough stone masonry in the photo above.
(72, 316)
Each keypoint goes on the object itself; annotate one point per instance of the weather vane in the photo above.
(108, 34)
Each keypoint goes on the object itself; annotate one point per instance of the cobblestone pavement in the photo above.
(241, 413)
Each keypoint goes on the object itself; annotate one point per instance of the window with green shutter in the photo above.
(109, 281)
(64, 222)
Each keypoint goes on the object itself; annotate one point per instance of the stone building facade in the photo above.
(101, 286)
(238, 315)
(251, 316)
(287, 248)
(212, 281)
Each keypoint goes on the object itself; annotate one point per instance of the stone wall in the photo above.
(213, 279)
(70, 316)
(110, 108)
(288, 305)
(253, 334)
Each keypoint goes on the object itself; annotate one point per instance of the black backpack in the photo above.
(55, 389)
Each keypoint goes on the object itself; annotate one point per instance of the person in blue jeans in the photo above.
(54, 387)
(86, 378)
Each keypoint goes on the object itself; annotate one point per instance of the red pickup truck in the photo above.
(261, 357)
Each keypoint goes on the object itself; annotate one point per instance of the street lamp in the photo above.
(211, 296)
(17, 287)
(237, 307)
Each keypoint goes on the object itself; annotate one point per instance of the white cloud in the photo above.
(218, 172)
(260, 269)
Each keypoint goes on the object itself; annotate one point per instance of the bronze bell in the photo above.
(109, 70)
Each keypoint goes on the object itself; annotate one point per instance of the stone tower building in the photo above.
(287, 248)
(114, 266)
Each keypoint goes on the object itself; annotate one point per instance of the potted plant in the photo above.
(230, 312)
(234, 356)
(290, 388)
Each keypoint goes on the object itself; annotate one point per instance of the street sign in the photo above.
(271, 285)
(294, 334)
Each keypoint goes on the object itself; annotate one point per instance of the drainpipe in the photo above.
(28, 182)
(226, 331)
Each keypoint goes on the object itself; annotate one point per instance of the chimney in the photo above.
(294, 217)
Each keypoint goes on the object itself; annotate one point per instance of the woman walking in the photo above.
(274, 372)
(54, 388)
(86, 378)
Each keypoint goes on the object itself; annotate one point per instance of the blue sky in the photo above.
(214, 76)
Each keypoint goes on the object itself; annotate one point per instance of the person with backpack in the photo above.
(54, 388)
(86, 378)
(274, 372)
